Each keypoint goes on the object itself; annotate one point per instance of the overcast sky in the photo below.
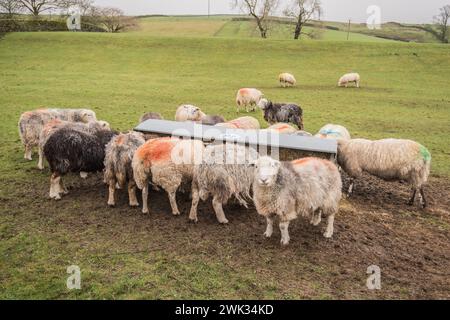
(414, 11)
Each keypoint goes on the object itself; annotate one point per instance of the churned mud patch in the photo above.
(374, 227)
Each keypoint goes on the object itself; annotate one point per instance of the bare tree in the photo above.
(112, 19)
(302, 11)
(10, 7)
(442, 20)
(36, 7)
(260, 10)
(83, 6)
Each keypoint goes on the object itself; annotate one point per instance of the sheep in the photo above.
(224, 172)
(68, 150)
(212, 120)
(245, 123)
(389, 159)
(54, 125)
(248, 97)
(282, 128)
(333, 131)
(118, 171)
(31, 124)
(150, 115)
(169, 162)
(282, 112)
(287, 80)
(349, 78)
(308, 187)
(189, 112)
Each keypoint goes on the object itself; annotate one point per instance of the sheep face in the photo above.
(266, 171)
(263, 104)
(88, 116)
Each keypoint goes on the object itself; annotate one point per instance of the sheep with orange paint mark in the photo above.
(189, 112)
(244, 123)
(309, 187)
(118, 171)
(166, 162)
(282, 128)
(333, 131)
(389, 159)
(248, 98)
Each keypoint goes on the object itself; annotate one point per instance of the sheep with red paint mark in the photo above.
(118, 171)
(248, 98)
(309, 187)
(244, 123)
(166, 162)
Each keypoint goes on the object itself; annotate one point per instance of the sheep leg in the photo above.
(195, 200)
(284, 228)
(413, 198)
(62, 187)
(424, 199)
(111, 198)
(173, 202)
(316, 218)
(269, 229)
(41, 159)
(54, 186)
(330, 227)
(351, 187)
(28, 152)
(145, 199)
(132, 194)
(218, 209)
(84, 175)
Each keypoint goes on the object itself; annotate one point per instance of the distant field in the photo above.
(124, 254)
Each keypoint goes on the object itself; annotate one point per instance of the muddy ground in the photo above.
(374, 227)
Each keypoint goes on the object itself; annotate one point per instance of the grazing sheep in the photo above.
(212, 120)
(68, 150)
(52, 126)
(118, 171)
(189, 112)
(333, 131)
(282, 112)
(349, 78)
(226, 171)
(389, 159)
(287, 80)
(31, 124)
(150, 115)
(282, 128)
(248, 97)
(308, 187)
(245, 123)
(169, 162)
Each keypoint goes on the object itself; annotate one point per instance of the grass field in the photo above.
(404, 94)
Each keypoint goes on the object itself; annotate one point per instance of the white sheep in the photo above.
(248, 98)
(307, 187)
(349, 78)
(166, 162)
(389, 159)
(31, 124)
(189, 112)
(287, 80)
(118, 171)
(225, 172)
(245, 123)
(333, 131)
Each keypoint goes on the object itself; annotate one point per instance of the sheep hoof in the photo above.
(41, 167)
(145, 212)
(134, 204)
(328, 235)
(225, 221)
(267, 234)
(176, 213)
(193, 220)
(284, 242)
(112, 205)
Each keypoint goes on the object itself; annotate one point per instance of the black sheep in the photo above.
(68, 150)
(282, 112)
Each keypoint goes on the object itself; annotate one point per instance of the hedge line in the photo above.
(15, 25)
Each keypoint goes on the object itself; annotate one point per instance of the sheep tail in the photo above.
(140, 172)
